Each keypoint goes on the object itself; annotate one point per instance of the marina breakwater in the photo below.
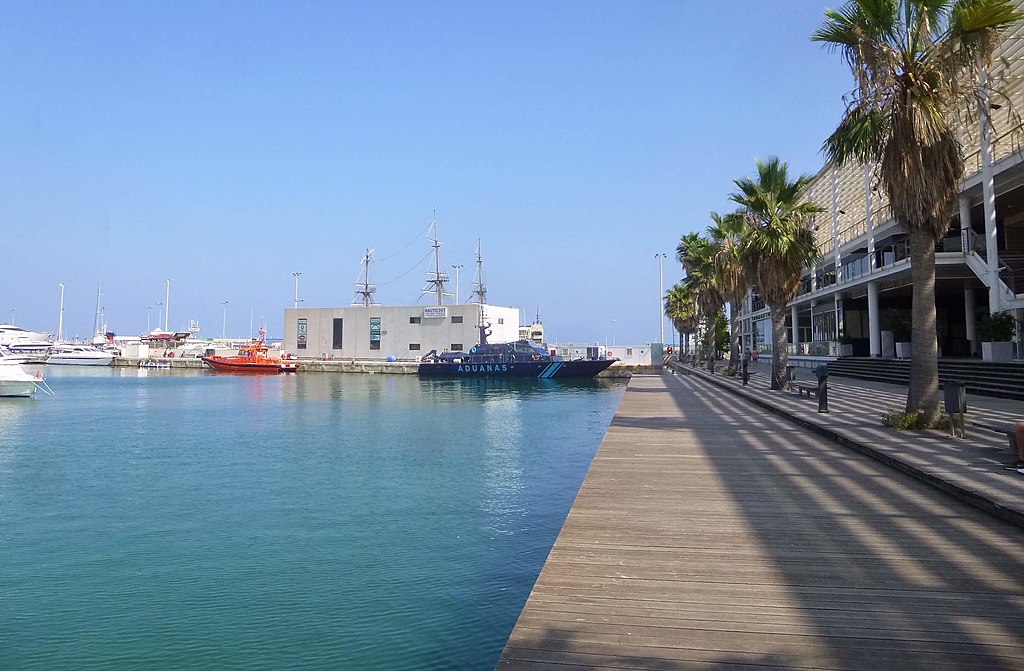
(354, 366)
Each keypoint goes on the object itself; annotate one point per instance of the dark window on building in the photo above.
(414, 320)
(374, 344)
(338, 330)
(456, 347)
(501, 320)
(414, 346)
(457, 319)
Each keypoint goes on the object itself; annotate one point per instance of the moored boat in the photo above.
(15, 381)
(522, 358)
(251, 358)
(79, 355)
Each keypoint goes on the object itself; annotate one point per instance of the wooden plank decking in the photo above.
(707, 536)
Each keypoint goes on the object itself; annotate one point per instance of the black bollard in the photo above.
(821, 372)
(746, 374)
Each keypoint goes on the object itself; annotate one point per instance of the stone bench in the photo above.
(809, 387)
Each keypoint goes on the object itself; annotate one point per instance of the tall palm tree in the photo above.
(730, 276)
(915, 62)
(681, 308)
(776, 245)
(697, 254)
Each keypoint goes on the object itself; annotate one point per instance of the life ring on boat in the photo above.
(39, 375)
(536, 357)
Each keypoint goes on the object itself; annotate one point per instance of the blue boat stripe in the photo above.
(551, 369)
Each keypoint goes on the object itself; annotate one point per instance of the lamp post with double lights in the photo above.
(167, 306)
(296, 276)
(224, 321)
(457, 268)
(661, 296)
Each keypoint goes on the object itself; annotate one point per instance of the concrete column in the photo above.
(989, 194)
(970, 310)
(870, 218)
(835, 224)
(874, 330)
(965, 223)
(795, 316)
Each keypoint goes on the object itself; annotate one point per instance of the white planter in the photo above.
(997, 351)
(903, 350)
(887, 344)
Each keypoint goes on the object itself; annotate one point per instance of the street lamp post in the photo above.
(224, 321)
(158, 306)
(613, 333)
(457, 268)
(661, 296)
(296, 276)
(148, 308)
(60, 317)
(167, 306)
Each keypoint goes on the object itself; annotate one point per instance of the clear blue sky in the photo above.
(229, 144)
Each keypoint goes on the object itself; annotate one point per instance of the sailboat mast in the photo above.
(99, 296)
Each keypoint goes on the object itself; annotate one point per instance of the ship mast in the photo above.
(365, 294)
(435, 278)
(481, 289)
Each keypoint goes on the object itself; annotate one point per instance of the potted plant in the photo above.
(996, 332)
(897, 322)
(845, 346)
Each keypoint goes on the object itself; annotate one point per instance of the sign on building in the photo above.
(435, 312)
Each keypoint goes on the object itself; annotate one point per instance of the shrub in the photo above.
(997, 327)
(913, 421)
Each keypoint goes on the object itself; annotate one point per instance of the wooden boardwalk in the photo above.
(706, 536)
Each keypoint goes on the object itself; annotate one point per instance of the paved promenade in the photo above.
(710, 533)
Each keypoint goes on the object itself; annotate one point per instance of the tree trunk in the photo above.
(780, 351)
(734, 337)
(923, 390)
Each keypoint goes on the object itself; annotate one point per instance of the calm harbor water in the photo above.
(184, 520)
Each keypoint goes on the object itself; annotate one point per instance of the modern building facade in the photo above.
(403, 332)
(856, 301)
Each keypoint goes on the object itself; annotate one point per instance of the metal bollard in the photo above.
(821, 372)
(746, 373)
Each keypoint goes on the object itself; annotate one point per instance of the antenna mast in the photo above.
(481, 289)
(435, 278)
(364, 295)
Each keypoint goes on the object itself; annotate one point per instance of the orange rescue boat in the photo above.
(252, 358)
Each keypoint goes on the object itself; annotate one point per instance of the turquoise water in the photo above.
(171, 520)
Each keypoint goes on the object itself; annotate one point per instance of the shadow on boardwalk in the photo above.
(708, 536)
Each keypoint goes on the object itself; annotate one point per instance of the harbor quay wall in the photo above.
(375, 366)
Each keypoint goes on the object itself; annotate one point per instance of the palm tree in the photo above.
(681, 308)
(697, 254)
(776, 245)
(915, 62)
(726, 237)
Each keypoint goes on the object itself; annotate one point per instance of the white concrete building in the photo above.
(404, 332)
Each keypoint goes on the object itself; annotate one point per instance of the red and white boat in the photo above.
(252, 358)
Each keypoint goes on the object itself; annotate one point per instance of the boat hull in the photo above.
(227, 365)
(56, 359)
(540, 369)
(17, 388)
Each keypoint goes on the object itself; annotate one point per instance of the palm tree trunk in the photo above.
(780, 351)
(923, 390)
(734, 337)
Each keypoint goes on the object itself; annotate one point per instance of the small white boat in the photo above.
(16, 381)
(79, 355)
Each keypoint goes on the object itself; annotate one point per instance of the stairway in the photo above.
(1002, 380)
